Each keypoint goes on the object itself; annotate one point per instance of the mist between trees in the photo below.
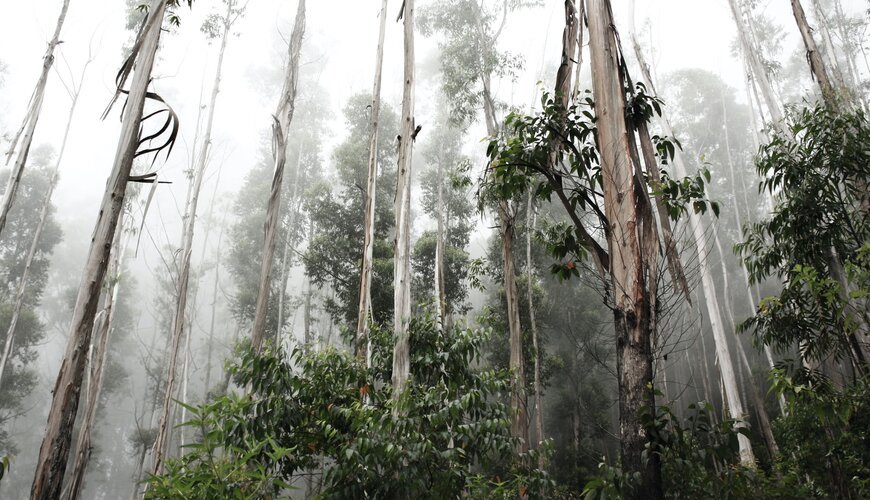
(434, 249)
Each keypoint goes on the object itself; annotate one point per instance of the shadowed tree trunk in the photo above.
(280, 128)
(54, 452)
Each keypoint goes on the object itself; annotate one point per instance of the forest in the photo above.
(492, 249)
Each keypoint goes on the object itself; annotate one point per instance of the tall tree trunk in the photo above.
(402, 264)
(99, 357)
(750, 53)
(531, 222)
(280, 129)
(365, 286)
(37, 233)
(214, 296)
(631, 298)
(24, 138)
(440, 293)
(519, 408)
(54, 451)
(817, 66)
(726, 367)
(164, 426)
(295, 206)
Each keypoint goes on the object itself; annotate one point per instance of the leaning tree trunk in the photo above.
(402, 264)
(631, 297)
(54, 452)
(99, 355)
(24, 138)
(164, 426)
(365, 286)
(37, 233)
(817, 66)
(280, 128)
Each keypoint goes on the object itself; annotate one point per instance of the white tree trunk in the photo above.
(54, 452)
(100, 354)
(402, 264)
(37, 233)
(440, 292)
(164, 426)
(280, 128)
(531, 223)
(365, 287)
(28, 127)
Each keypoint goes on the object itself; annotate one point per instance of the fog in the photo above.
(337, 63)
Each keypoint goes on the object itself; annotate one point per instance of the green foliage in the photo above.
(816, 238)
(323, 407)
(835, 462)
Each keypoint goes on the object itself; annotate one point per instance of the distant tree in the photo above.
(335, 210)
(19, 378)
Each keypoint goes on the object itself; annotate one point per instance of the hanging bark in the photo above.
(365, 287)
(99, 357)
(631, 299)
(531, 222)
(164, 426)
(723, 354)
(24, 137)
(280, 128)
(402, 263)
(37, 233)
(54, 452)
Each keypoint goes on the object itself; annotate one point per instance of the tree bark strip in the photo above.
(280, 128)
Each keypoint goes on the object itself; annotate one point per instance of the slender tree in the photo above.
(402, 262)
(164, 429)
(46, 207)
(280, 129)
(365, 286)
(24, 137)
(54, 452)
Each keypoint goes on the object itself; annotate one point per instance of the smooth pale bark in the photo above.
(99, 357)
(280, 128)
(164, 426)
(291, 222)
(750, 53)
(440, 292)
(214, 297)
(54, 451)
(365, 286)
(402, 262)
(531, 223)
(631, 300)
(24, 138)
(37, 233)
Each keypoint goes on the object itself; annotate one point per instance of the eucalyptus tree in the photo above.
(23, 139)
(365, 286)
(280, 128)
(213, 27)
(53, 454)
(402, 258)
(470, 59)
